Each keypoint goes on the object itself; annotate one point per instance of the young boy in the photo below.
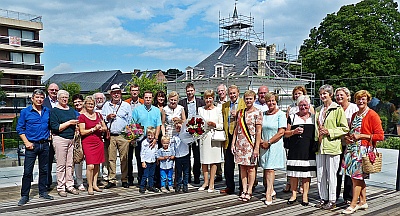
(182, 160)
(148, 156)
(165, 157)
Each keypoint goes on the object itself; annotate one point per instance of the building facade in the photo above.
(20, 64)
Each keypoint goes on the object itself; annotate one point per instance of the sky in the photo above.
(91, 35)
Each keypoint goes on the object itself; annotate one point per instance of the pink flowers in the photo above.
(133, 131)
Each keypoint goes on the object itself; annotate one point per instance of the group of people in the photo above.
(326, 142)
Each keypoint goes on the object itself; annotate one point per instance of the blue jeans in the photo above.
(42, 152)
(166, 174)
(148, 173)
(182, 165)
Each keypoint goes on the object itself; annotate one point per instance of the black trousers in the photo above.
(130, 163)
(139, 160)
(50, 165)
(195, 148)
(348, 185)
(229, 167)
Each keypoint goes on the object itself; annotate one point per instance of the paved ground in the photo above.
(382, 199)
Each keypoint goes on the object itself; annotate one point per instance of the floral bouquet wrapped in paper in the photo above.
(193, 129)
(133, 132)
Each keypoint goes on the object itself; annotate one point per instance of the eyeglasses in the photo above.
(56, 90)
(78, 102)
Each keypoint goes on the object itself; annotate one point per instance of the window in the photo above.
(30, 35)
(22, 57)
(219, 72)
(189, 74)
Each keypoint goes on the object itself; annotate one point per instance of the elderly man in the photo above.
(260, 103)
(100, 98)
(33, 128)
(117, 114)
(222, 98)
(146, 115)
(229, 113)
(50, 102)
(134, 101)
(191, 105)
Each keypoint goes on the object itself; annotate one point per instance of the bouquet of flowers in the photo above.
(196, 127)
(133, 131)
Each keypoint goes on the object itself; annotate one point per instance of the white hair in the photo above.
(62, 92)
(305, 98)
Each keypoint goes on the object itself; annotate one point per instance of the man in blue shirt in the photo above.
(33, 128)
(146, 115)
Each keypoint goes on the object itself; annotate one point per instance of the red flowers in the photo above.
(196, 126)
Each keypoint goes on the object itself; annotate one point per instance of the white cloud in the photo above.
(176, 54)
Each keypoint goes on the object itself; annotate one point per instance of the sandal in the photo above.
(247, 197)
(242, 196)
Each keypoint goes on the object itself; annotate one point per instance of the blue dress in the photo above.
(274, 156)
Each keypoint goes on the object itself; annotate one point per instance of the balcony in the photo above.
(24, 42)
(21, 65)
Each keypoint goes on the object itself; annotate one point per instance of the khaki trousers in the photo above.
(122, 145)
(64, 150)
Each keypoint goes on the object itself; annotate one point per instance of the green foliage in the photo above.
(14, 128)
(2, 156)
(72, 88)
(11, 143)
(3, 94)
(390, 143)
(146, 84)
(357, 45)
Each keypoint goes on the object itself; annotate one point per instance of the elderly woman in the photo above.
(77, 100)
(292, 109)
(365, 131)
(301, 155)
(246, 144)
(331, 125)
(343, 98)
(272, 153)
(91, 125)
(62, 124)
(211, 152)
(171, 113)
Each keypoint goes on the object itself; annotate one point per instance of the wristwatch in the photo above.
(269, 142)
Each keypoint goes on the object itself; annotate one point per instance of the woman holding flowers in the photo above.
(246, 144)
(91, 125)
(211, 152)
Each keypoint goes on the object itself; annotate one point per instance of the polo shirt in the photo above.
(147, 117)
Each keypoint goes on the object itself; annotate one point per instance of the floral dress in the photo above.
(352, 161)
(243, 148)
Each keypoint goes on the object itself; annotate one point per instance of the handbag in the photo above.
(218, 135)
(78, 151)
(372, 161)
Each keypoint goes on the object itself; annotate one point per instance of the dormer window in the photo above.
(219, 71)
(189, 74)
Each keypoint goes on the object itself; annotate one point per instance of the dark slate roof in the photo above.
(207, 68)
(123, 79)
(88, 81)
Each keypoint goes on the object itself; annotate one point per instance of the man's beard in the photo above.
(99, 105)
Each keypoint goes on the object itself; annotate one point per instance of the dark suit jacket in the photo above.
(199, 103)
(47, 103)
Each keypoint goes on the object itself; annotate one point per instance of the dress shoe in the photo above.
(210, 190)
(196, 181)
(178, 189)
(125, 185)
(267, 203)
(154, 189)
(142, 190)
(46, 196)
(291, 202)
(23, 200)
(110, 185)
(185, 189)
(218, 178)
(227, 191)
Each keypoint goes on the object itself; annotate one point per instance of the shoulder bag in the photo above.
(78, 151)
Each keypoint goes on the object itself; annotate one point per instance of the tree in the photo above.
(3, 94)
(172, 74)
(72, 88)
(146, 84)
(357, 47)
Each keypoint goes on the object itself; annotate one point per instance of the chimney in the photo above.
(261, 59)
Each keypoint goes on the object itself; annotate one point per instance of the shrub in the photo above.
(390, 143)
(11, 143)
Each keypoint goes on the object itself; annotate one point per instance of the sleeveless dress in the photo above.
(169, 115)
(301, 155)
(92, 144)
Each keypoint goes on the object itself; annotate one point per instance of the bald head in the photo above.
(262, 91)
(52, 91)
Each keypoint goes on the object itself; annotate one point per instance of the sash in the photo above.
(243, 126)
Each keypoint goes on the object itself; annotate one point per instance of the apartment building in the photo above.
(20, 50)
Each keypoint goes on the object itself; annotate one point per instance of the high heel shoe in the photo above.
(97, 189)
(304, 203)
(290, 202)
(267, 203)
(273, 195)
(202, 188)
(90, 193)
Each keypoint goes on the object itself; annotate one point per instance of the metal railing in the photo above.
(20, 16)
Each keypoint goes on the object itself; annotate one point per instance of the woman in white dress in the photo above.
(211, 152)
(171, 113)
